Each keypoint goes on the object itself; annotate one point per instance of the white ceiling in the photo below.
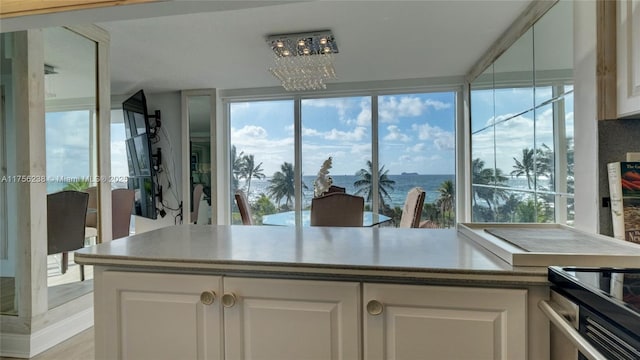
(225, 47)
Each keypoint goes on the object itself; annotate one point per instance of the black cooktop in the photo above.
(611, 292)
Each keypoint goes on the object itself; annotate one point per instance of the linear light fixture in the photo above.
(304, 61)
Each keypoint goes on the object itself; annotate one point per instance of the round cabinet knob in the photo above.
(207, 297)
(228, 300)
(374, 307)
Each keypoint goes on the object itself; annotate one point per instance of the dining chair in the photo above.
(243, 206)
(66, 220)
(336, 189)
(412, 209)
(121, 208)
(197, 197)
(337, 209)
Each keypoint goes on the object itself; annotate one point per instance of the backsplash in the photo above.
(615, 139)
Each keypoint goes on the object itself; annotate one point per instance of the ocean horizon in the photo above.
(403, 183)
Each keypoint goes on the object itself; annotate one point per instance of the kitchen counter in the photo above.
(283, 292)
(407, 255)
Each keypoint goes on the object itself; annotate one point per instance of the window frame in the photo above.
(374, 90)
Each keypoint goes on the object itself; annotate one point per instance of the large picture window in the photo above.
(380, 147)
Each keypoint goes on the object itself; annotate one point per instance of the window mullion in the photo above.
(297, 168)
(374, 158)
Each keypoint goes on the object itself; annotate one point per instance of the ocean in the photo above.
(403, 183)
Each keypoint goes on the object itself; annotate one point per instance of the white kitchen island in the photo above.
(258, 292)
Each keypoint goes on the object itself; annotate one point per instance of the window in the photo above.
(339, 128)
(262, 156)
(409, 142)
(416, 145)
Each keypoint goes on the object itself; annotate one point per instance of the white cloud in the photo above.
(395, 134)
(340, 104)
(119, 166)
(357, 134)
(417, 148)
(442, 139)
(512, 136)
(311, 132)
(437, 105)
(364, 117)
(392, 108)
(272, 152)
(250, 132)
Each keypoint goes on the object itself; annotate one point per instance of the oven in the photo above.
(595, 313)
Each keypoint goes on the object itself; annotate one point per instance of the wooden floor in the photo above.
(79, 347)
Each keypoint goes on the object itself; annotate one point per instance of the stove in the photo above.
(609, 306)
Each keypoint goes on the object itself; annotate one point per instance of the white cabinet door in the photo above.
(437, 322)
(628, 57)
(158, 316)
(275, 319)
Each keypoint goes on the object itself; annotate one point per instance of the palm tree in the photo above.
(487, 176)
(445, 201)
(282, 185)
(525, 166)
(481, 176)
(364, 185)
(77, 185)
(236, 168)
(544, 164)
(249, 170)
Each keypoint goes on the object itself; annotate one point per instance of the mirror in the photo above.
(521, 124)
(70, 85)
(199, 112)
(8, 189)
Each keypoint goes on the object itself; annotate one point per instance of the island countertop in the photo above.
(408, 255)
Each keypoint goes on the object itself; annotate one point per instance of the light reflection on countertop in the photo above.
(354, 251)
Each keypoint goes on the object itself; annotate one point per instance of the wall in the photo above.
(170, 142)
(585, 116)
(615, 139)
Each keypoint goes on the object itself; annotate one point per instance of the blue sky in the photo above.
(416, 133)
(67, 143)
(515, 126)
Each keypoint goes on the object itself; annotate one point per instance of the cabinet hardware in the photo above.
(208, 297)
(374, 307)
(228, 300)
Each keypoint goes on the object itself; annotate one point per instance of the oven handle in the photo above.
(553, 313)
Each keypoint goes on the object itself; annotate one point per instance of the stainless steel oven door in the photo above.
(566, 340)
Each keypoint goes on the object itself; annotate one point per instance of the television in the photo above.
(142, 176)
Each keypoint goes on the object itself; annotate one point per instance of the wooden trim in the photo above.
(606, 73)
(523, 23)
(14, 8)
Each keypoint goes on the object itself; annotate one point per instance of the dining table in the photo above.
(288, 218)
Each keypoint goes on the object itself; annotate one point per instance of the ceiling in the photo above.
(223, 44)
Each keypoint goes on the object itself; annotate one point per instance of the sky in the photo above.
(515, 126)
(416, 132)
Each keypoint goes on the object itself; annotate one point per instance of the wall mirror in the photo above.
(522, 127)
(71, 153)
(199, 111)
(8, 189)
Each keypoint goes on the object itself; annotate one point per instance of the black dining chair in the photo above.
(66, 220)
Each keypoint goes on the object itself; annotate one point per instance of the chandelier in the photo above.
(303, 61)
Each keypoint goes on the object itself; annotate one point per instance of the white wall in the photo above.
(585, 117)
(170, 142)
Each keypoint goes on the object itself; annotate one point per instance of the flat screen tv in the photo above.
(142, 177)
